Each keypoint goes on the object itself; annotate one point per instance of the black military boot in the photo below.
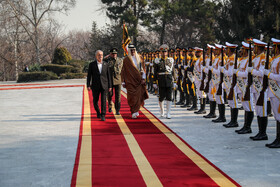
(187, 101)
(202, 106)
(221, 117)
(181, 101)
(233, 121)
(269, 114)
(194, 106)
(276, 142)
(212, 113)
(207, 100)
(245, 122)
(262, 123)
(246, 129)
(190, 100)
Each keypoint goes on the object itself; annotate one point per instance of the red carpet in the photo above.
(137, 152)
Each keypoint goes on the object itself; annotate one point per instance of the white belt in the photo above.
(164, 73)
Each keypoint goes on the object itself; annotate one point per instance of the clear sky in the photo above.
(82, 16)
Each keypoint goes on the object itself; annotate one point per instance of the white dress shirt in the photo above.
(99, 64)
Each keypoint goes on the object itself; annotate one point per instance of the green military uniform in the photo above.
(115, 66)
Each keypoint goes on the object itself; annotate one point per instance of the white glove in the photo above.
(185, 66)
(266, 72)
(155, 86)
(249, 69)
(175, 85)
(235, 71)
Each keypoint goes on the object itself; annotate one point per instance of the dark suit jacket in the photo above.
(98, 81)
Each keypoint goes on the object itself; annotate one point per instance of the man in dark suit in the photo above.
(99, 81)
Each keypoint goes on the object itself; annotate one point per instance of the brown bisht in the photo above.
(136, 92)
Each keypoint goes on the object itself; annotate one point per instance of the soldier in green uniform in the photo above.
(115, 65)
(163, 72)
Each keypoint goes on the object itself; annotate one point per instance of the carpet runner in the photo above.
(137, 152)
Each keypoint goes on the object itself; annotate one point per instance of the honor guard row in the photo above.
(250, 75)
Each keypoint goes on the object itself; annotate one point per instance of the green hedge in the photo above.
(73, 75)
(36, 76)
(80, 64)
(59, 69)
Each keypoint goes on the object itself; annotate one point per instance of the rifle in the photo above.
(265, 80)
(206, 90)
(220, 89)
(230, 95)
(250, 78)
(203, 73)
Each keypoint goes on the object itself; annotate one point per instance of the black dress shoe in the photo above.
(231, 124)
(110, 109)
(117, 113)
(246, 130)
(102, 118)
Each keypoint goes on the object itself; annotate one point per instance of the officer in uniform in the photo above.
(274, 90)
(147, 65)
(163, 69)
(210, 94)
(242, 75)
(115, 65)
(190, 78)
(197, 72)
(257, 72)
(228, 73)
(184, 78)
(152, 79)
(178, 62)
(216, 81)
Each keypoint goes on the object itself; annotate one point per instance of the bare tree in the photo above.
(78, 44)
(32, 13)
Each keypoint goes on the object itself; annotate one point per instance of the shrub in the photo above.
(80, 64)
(59, 69)
(35, 67)
(36, 76)
(61, 56)
(85, 68)
(73, 75)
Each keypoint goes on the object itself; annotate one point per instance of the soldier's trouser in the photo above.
(274, 101)
(211, 94)
(165, 93)
(261, 111)
(233, 103)
(219, 98)
(117, 89)
(199, 93)
(191, 88)
(248, 105)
